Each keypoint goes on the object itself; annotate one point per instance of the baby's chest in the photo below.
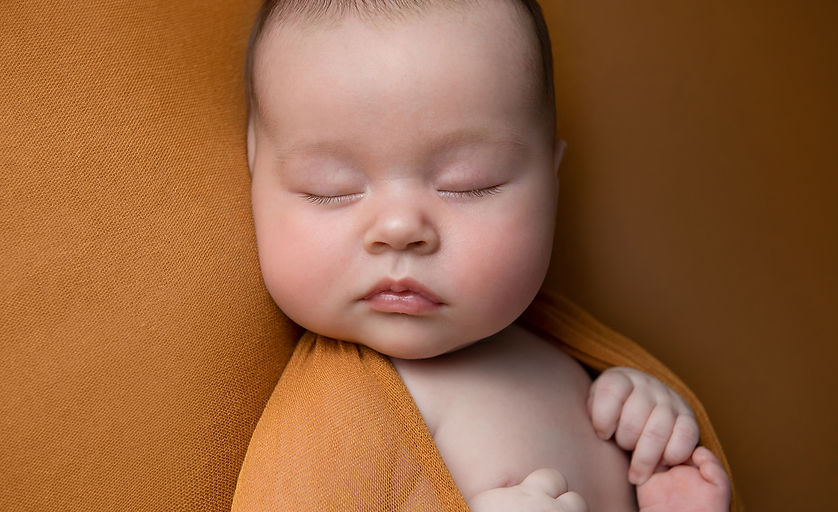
(496, 437)
(500, 414)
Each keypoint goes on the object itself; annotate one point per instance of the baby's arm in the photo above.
(645, 416)
(700, 486)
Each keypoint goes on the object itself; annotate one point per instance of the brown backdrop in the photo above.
(699, 214)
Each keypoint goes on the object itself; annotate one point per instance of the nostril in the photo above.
(410, 246)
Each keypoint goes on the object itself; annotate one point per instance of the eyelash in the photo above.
(324, 200)
(476, 193)
(333, 200)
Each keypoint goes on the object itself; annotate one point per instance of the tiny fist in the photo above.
(571, 502)
(546, 480)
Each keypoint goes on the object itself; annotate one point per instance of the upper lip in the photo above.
(403, 285)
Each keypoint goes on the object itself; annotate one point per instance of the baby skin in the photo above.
(404, 188)
(506, 418)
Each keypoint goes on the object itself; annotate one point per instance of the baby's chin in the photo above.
(408, 350)
(421, 345)
(405, 336)
(403, 345)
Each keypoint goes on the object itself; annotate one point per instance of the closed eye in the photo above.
(331, 200)
(475, 193)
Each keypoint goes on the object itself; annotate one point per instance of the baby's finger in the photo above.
(571, 502)
(546, 480)
(683, 440)
(608, 394)
(635, 413)
(710, 467)
(651, 444)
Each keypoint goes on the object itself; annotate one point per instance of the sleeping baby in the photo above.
(404, 184)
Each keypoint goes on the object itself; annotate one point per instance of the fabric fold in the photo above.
(341, 432)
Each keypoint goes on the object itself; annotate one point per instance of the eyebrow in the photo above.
(441, 144)
(457, 139)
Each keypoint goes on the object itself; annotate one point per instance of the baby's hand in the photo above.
(541, 490)
(645, 416)
(701, 486)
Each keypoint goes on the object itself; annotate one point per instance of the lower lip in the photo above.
(408, 303)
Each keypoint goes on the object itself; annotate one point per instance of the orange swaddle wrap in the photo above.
(341, 431)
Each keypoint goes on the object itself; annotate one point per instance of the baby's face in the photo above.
(404, 183)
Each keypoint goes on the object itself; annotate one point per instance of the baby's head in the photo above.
(404, 163)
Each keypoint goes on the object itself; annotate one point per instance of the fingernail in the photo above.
(634, 477)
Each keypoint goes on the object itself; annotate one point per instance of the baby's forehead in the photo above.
(293, 27)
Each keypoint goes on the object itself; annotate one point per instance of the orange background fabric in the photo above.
(139, 346)
(138, 343)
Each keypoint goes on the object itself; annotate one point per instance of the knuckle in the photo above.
(613, 384)
(631, 428)
(653, 385)
(670, 400)
(657, 434)
(686, 430)
(664, 403)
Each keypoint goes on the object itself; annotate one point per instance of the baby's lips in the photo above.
(405, 302)
(403, 285)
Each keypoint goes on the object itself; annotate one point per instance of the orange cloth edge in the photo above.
(578, 333)
(416, 431)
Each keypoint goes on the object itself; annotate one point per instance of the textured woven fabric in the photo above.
(139, 345)
(341, 431)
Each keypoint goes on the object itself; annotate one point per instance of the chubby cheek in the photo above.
(507, 267)
(298, 265)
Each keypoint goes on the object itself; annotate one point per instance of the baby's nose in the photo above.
(402, 228)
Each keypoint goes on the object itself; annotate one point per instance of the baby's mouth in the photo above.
(405, 296)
